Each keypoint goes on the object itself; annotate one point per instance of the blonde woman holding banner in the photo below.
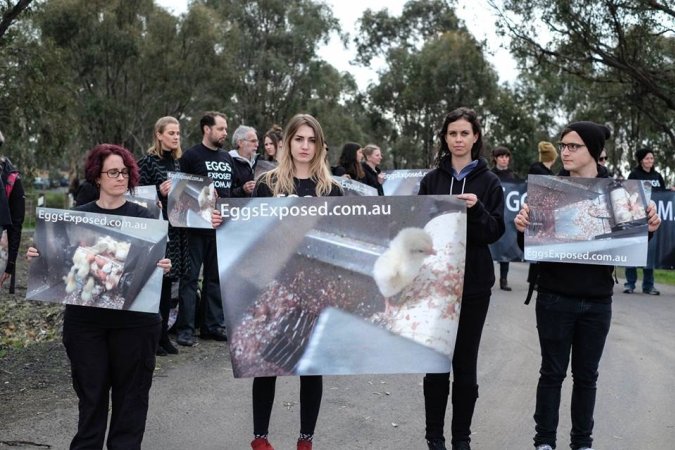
(303, 172)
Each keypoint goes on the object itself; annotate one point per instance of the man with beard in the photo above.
(205, 159)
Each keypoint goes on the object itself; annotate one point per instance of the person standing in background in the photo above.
(501, 159)
(644, 171)
(210, 160)
(12, 214)
(163, 157)
(245, 141)
(547, 157)
(372, 155)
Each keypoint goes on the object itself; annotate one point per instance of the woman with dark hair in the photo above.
(111, 352)
(371, 167)
(272, 143)
(163, 157)
(304, 172)
(461, 172)
(349, 164)
(501, 159)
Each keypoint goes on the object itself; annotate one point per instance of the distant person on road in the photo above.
(574, 307)
(644, 171)
(12, 214)
(461, 172)
(501, 159)
(302, 171)
(111, 352)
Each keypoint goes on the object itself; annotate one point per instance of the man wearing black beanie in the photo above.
(644, 171)
(574, 307)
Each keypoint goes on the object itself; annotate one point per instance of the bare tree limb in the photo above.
(11, 14)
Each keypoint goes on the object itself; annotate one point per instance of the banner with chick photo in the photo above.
(97, 260)
(587, 220)
(191, 200)
(341, 285)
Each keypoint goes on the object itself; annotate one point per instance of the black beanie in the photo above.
(593, 135)
(641, 153)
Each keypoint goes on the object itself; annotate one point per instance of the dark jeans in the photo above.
(311, 390)
(647, 278)
(503, 270)
(465, 378)
(201, 250)
(579, 326)
(111, 364)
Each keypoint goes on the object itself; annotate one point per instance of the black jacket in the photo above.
(243, 172)
(485, 221)
(539, 168)
(371, 178)
(505, 175)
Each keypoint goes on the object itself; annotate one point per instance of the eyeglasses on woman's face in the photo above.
(602, 158)
(571, 146)
(115, 173)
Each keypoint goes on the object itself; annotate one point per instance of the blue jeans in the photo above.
(579, 326)
(647, 278)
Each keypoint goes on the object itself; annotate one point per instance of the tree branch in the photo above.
(11, 14)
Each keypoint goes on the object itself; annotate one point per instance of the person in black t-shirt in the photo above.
(111, 352)
(303, 172)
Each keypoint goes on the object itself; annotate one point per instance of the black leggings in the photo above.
(311, 390)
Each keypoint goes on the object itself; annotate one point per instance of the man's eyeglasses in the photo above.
(602, 158)
(571, 146)
(115, 173)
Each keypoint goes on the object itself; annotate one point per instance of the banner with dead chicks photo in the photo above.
(341, 285)
(587, 220)
(97, 260)
(191, 200)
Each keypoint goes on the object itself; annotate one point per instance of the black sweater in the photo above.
(485, 220)
(371, 178)
(657, 181)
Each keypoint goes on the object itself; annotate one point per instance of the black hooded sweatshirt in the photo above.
(657, 182)
(589, 281)
(485, 220)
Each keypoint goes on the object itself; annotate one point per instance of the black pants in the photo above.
(111, 365)
(311, 390)
(201, 251)
(569, 325)
(465, 378)
(165, 307)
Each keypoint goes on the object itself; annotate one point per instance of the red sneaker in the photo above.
(262, 444)
(304, 445)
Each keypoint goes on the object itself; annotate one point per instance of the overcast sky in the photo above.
(475, 13)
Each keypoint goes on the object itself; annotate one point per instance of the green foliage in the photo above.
(610, 61)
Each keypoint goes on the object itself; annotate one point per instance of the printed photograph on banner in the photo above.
(97, 260)
(341, 285)
(403, 182)
(587, 220)
(191, 200)
(262, 166)
(355, 188)
(146, 196)
(4, 251)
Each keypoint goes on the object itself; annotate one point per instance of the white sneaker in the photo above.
(544, 447)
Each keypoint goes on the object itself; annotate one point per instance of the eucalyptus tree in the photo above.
(615, 59)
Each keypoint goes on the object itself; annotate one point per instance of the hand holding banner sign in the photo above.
(98, 260)
(191, 200)
(287, 264)
(587, 220)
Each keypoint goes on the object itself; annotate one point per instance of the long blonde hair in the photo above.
(160, 126)
(280, 179)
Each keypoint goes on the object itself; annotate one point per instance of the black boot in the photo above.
(436, 391)
(463, 404)
(503, 285)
